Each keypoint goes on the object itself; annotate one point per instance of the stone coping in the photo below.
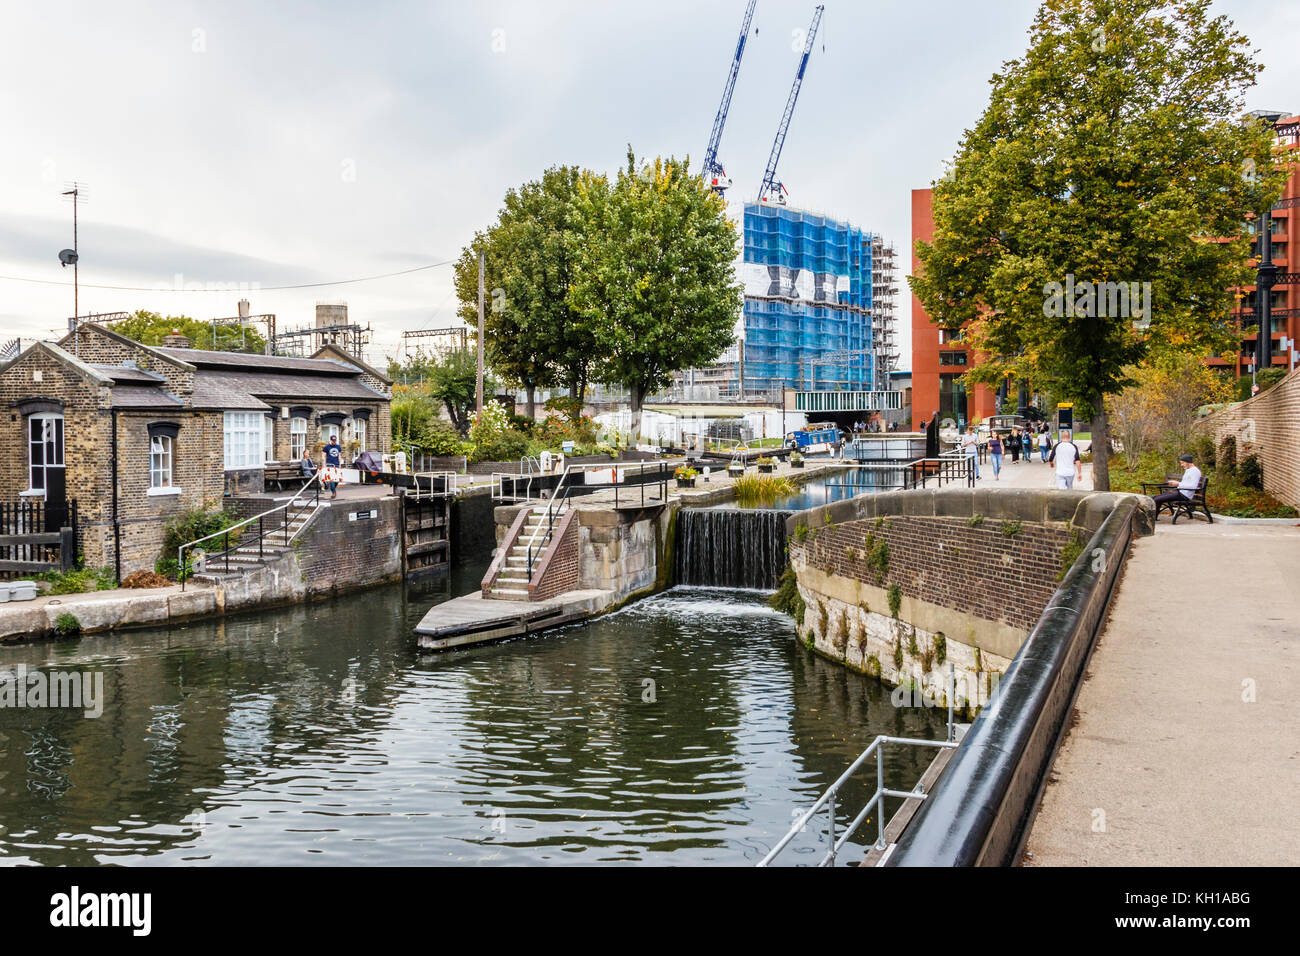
(1087, 510)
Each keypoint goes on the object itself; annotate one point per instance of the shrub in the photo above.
(1203, 451)
(79, 581)
(66, 624)
(1069, 554)
(940, 647)
(189, 526)
(975, 521)
(787, 598)
(1252, 472)
(508, 446)
(1227, 457)
(895, 600)
(898, 652)
(1012, 528)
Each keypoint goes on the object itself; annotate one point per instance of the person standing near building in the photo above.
(1044, 444)
(970, 447)
(1069, 466)
(995, 454)
(333, 460)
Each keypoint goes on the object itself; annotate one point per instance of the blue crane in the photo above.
(715, 177)
(771, 188)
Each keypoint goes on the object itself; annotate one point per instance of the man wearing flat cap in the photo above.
(1186, 487)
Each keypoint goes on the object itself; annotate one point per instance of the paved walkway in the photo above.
(1185, 751)
(1033, 473)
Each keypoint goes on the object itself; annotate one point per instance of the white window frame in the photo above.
(297, 438)
(327, 430)
(359, 432)
(162, 460)
(52, 433)
(268, 438)
(243, 434)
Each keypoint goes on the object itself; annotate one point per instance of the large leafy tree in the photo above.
(149, 328)
(1114, 150)
(656, 274)
(531, 332)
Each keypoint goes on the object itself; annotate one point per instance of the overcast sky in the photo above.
(286, 143)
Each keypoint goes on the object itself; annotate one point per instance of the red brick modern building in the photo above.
(940, 356)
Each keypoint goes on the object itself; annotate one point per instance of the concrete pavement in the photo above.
(1185, 748)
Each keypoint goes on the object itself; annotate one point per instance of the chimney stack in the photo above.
(176, 340)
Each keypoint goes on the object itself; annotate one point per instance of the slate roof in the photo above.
(142, 396)
(119, 373)
(201, 358)
(241, 391)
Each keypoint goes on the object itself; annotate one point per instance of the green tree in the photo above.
(149, 328)
(531, 332)
(450, 380)
(656, 274)
(1113, 151)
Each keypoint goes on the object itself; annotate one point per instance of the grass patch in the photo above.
(762, 489)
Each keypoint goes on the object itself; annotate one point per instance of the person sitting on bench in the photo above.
(1186, 487)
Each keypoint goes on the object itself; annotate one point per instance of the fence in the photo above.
(36, 537)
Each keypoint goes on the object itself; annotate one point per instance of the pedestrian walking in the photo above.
(995, 454)
(333, 458)
(970, 447)
(1069, 466)
(1044, 444)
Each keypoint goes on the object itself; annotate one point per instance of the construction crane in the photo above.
(715, 177)
(771, 188)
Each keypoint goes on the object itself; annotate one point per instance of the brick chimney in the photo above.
(176, 340)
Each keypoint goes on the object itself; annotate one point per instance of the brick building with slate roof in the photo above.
(136, 434)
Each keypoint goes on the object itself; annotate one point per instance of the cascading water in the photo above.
(731, 548)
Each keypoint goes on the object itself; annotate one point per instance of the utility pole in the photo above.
(478, 387)
(1264, 282)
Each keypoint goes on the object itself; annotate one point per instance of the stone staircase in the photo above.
(246, 557)
(511, 581)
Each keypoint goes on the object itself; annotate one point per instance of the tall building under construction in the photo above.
(819, 298)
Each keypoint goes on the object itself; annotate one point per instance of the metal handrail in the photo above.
(827, 799)
(225, 533)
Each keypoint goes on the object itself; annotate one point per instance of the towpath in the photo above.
(1185, 750)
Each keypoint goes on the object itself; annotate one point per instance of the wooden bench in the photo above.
(1181, 506)
(282, 476)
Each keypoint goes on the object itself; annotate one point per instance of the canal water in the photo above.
(689, 728)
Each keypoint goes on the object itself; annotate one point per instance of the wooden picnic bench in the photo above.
(1181, 506)
(283, 475)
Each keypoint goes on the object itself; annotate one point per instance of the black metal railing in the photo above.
(276, 521)
(945, 470)
(37, 536)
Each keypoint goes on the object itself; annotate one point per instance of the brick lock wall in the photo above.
(560, 574)
(1267, 425)
(338, 553)
(944, 561)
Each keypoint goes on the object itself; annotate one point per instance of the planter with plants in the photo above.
(685, 476)
(796, 460)
(766, 465)
(735, 469)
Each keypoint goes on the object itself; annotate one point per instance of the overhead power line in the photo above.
(226, 289)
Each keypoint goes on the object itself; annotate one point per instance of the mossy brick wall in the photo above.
(977, 569)
(1267, 425)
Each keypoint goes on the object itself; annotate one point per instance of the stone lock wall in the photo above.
(1267, 425)
(970, 572)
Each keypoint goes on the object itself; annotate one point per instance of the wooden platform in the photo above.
(472, 620)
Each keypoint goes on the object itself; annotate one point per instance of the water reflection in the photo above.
(685, 729)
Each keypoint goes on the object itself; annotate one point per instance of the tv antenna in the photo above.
(69, 257)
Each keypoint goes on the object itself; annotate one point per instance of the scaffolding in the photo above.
(810, 300)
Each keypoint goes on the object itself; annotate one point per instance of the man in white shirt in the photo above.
(970, 447)
(1186, 486)
(1069, 468)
